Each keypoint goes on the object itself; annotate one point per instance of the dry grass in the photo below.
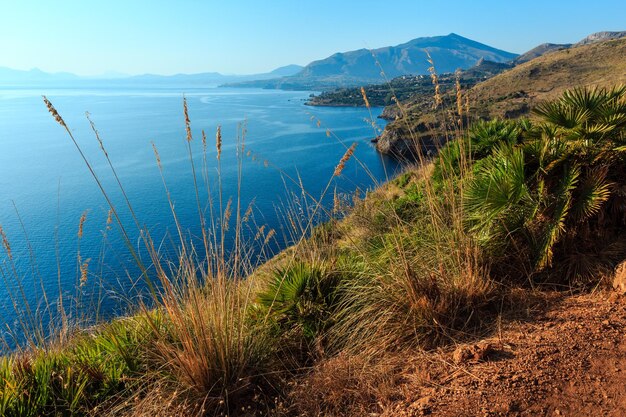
(348, 385)
(401, 273)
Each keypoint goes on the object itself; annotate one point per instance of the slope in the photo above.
(512, 93)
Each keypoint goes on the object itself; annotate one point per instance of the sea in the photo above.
(277, 156)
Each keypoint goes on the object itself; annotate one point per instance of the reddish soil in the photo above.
(567, 358)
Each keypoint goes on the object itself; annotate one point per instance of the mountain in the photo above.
(514, 92)
(540, 50)
(286, 71)
(448, 53)
(485, 69)
(363, 66)
(215, 78)
(36, 77)
(9, 75)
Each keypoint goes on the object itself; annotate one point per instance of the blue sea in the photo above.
(45, 186)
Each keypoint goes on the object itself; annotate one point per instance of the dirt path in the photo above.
(568, 360)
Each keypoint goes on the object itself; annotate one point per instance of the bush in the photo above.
(302, 296)
(558, 192)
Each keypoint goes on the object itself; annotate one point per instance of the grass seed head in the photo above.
(364, 94)
(156, 155)
(54, 112)
(109, 219)
(84, 268)
(345, 158)
(218, 141)
(187, 121)
(5, 243)
(81, 224)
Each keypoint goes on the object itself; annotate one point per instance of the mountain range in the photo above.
(343, 69)
(35, 77)
(363, 66)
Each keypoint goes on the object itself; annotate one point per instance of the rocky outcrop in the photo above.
(390, 113)
(390, 143)
(400, 143)
(601, 36)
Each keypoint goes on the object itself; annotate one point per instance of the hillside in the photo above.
(537, 51)
(404, 87)
(512, 93)
(363, 66)
(450, 52)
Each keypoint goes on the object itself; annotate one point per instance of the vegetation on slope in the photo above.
(429, 259)
(511, 94)
(406, 87)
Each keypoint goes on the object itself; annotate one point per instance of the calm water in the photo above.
(45, 186)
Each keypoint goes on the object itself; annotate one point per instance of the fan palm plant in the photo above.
(480, 141)
(301, 296)
(562, 188)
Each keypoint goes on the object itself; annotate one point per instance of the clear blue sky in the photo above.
(90, 37)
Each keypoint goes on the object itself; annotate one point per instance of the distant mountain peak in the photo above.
(449, 53)
(287, 70)
(363, 66)
(601, 36)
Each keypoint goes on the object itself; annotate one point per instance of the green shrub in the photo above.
(303, 296)
(560, 190)
(482, 138)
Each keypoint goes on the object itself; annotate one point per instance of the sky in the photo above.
(91, 37)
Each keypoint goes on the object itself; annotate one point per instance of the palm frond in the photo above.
(555, 227)
(593, 191)
(499, 186)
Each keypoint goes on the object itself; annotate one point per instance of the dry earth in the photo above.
(570, 360)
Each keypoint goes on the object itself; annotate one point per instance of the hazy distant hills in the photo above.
(8, 75)
(342, 69)
(36, 77)
(363, 66)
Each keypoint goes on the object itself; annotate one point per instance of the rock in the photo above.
(461, 354)
(619, 278)
(399, 143)
(474, 353)
(390, 142)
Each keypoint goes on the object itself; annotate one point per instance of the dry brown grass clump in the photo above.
(348, 385)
